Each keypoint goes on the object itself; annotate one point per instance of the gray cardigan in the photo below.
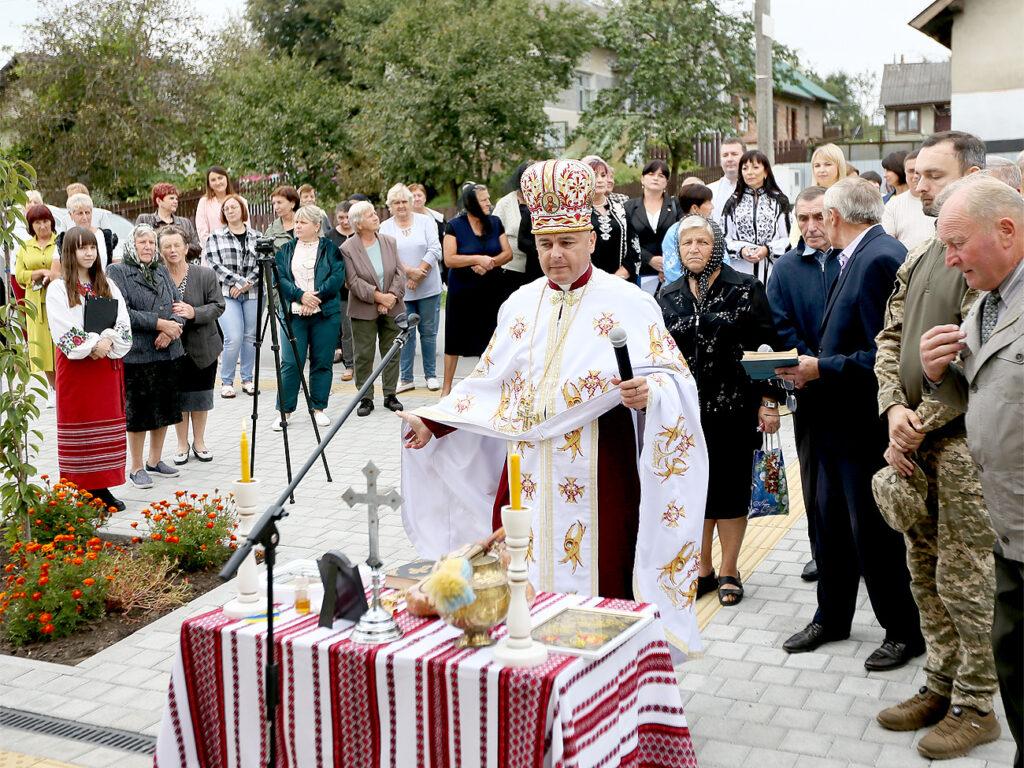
(202, 338)
(146, 305)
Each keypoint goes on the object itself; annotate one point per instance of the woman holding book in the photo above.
(714, 313)
(90, 342)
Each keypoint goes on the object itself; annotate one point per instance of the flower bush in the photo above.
(61, 509)
(195, 531)
(51, 589)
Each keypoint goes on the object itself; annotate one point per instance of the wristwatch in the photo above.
(769, 404)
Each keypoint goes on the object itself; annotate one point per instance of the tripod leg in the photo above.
(275, 346)
(258, 342)
(284, 319)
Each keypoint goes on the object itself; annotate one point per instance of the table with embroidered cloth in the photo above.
(419, 701)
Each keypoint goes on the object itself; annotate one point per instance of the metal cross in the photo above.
(372, 499)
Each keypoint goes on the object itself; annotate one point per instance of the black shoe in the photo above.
(392, 403)
(811, 637)
(365, 407)
(810, 571)
(104, 495)
(892, 655)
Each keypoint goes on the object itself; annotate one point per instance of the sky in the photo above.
(828, 35)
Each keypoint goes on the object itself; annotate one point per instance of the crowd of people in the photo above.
(852, 274)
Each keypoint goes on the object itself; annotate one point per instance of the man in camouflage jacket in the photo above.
(948, 551)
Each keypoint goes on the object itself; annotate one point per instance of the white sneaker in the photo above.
(405, 386)
(277, 422)
(322, 418)
(433, 384)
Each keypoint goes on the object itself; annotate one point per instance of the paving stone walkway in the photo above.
(748, 702)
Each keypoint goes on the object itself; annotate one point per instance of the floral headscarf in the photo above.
(131, 256)
(673, 265)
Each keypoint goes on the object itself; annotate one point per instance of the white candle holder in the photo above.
(248, 601)
(518, 649)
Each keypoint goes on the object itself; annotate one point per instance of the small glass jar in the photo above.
(302, 595)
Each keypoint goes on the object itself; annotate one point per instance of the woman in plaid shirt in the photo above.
(231, 252)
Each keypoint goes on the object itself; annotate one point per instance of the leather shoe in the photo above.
(365, 407)
(810, 571)
(811, 637)
(892, 655)
(392, 403)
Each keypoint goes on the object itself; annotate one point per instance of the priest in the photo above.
(608, 519)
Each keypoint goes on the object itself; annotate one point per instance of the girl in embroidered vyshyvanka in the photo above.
(90, 376)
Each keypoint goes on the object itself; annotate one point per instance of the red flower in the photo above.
(212, 515)
(171, 529)
(135, 525)
(209, 524)
(77, 561)
(173, 539)
(89, 582)
(44, 580)
(156, 537)
(44, 618)
(20, 580)
(76, 593)
(37, 595)
(47, 629)
(136, 539)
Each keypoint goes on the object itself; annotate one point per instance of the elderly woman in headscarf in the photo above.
(151, 368)
(714, 313)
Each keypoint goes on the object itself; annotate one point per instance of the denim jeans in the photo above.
(239, 326)
(429, 310)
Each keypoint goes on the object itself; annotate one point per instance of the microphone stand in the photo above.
(265, 533)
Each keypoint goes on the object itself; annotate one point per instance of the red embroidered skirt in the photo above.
(91, 443)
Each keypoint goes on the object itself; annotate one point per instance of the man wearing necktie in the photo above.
(949, 549)
(982, 225)
(797, 291)
(852, 538)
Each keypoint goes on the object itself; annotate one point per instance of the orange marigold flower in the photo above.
(38, 521)
(89, 581)
(20, 580)
(37, 595)
(136, 539)
(156, 537)
(110, 578)
(202, 547)
(171, 529)
(77, 561)
(80, 504)
(135, 525)
(210, 524)
(234, 538)
(46, 548)
(44, 477)
(9, 567)
(52, 504)
(44, 580)
(78, 608)
(212, 515)
(94, 541)
(76, 593)
(48, 628)
(91, 556)
(30, 616)
(44, 618)
(33, 546)
(173, 539)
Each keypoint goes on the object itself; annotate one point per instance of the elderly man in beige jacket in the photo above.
(982, 225)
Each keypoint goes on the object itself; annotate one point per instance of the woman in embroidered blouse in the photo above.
(312, 274)
(90, 376)
(617, 250)
(151, 381)
(756, 218)
(231, 253)
(199, 303)
(218, 189)
(419, 251)
(714, 313)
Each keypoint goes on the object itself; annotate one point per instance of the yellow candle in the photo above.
(515, 482)
(245, 455)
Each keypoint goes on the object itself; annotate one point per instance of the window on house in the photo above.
(584, 92)
(908, 121)
(555, 137)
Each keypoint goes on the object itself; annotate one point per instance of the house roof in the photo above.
(936, 20)
(926, 82)
(795, 83)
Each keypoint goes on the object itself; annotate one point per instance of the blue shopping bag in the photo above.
(769, 493)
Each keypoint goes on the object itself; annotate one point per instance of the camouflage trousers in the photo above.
(949, 555)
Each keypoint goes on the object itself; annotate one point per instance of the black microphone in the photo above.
(617, 337)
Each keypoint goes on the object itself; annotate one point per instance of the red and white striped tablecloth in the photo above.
(419, 701)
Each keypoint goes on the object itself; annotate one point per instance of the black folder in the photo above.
(100, 314)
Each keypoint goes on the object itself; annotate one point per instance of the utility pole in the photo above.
(764, 32)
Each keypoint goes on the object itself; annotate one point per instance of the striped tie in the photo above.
(988, 315)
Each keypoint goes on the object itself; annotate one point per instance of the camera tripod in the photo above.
(269, 279)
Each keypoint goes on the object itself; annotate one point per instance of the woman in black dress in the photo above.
(617, 250)
(474, 246)
(715, 313)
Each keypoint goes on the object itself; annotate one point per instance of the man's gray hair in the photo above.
(811, 193)
(988, 199)
(858, 201)
(357, 212)
(1005, 170)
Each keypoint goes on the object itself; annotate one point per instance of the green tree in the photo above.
(273, 113)
(678, 65)
(105, 93)
(856, 94)
(452, 89)
(301, 28)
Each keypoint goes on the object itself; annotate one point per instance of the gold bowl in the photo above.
(488, 610)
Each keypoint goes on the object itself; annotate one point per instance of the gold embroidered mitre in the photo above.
(560, 196)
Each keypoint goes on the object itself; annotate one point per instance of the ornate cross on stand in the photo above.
(376, 626)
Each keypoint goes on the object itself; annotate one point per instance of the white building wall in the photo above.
(990, 115)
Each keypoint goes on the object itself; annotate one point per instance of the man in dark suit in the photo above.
(852, 538)
(797, 291)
